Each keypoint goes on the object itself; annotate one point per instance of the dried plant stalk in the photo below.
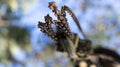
(78, 50)
(66, 40)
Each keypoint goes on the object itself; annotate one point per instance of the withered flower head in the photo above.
(52, 5)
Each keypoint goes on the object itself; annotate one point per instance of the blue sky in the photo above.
(95, 10)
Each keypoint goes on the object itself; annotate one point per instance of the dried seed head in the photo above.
(61, 22)
(65, 28)
(48, 19)
(47, 29)
(39, 24)
(52, 5)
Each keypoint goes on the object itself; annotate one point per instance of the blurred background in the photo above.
(22, 44)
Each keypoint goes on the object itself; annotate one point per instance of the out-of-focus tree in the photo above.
(14, 44)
